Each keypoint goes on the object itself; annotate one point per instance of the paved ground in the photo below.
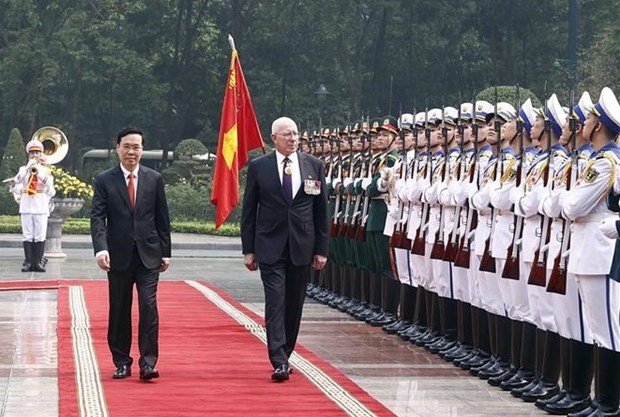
(405, 378)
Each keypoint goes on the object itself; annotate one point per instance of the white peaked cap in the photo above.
(556, 114)
(584, 107)
(608, 110)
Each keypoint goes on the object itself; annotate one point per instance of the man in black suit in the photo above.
(130, 228)
(284, 232)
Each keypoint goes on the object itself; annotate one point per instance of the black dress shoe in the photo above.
(496, 380)
(148, 372)
(585, 413)
(122, 372)
(557, 397)
(519, 380)
(281, 373)
(540, 392)
(569, 404)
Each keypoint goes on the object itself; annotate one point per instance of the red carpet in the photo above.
(210, 365)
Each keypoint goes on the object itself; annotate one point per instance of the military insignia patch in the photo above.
(590, 175)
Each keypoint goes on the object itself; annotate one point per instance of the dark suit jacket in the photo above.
(115, 227)
(613, 203)
(268, 221)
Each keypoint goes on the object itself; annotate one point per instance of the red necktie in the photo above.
(132, 191)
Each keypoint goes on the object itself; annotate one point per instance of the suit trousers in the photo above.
(285, 291)
(120, 286)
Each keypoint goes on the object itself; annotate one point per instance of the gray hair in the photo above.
(277, 124)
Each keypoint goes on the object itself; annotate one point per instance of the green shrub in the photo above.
(73, 225)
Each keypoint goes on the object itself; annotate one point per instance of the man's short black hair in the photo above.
(129, 131)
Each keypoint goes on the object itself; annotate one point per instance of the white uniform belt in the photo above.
(379, 198)
(597, 217)
(503, 212)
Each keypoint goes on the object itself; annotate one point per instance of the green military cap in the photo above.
(325, 133)
(357, 127)
(374, 125)
(304, 135)
(345, 131)
(390, 124)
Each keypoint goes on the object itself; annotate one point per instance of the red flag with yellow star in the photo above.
(239, 134)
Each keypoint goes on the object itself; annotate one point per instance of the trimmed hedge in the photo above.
(78, 226)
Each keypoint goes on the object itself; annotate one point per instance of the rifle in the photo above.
(538, 274)
(360, 233)
(487, 263)
(344, 224)
(419, 243)
(557, 280)
(405, 242)
(354, 223)
(511, 267)
(439, 248)
(397, 233)
(334, 226)
(463, 255)
(452, 245)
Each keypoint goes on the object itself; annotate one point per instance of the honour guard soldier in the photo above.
(396, 224)
(576, 340)
(477, 236)
(379, 242)
(413, 191)
(459, 174)
(442, 267)
(547, 131)
(592, 251)
(34, 187)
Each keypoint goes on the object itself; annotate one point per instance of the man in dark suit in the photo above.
(284, 233)
(130, 228)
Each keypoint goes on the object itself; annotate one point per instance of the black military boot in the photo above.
(608, 378)
(577, 396)
(547, 385)
(28, 253)
(37, 257)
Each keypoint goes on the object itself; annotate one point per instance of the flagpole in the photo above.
(231, 41)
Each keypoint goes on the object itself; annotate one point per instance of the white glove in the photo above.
(386, 173)
(347, 181)
(31, 162)
(393, 211)
(365, 183)
(617, 182)
(608, 227)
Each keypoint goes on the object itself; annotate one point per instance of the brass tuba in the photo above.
(55, 144)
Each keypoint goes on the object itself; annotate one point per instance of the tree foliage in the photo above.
(93, 67)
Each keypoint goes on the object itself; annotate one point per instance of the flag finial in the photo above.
(231, 41)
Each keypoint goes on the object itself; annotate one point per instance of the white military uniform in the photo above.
(592, 252)
(34, 202)
(567, 308)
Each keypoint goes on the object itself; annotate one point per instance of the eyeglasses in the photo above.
(135, 148)
(288, 135)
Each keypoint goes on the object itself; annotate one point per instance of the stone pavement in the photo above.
(407, 379)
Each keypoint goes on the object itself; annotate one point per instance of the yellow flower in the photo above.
(68, 186)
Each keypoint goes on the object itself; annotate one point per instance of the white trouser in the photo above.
(34, 227)
(473, 276)
(490, 296)
(460, 283)
(420, 274)
(569, 315)
(441, 277)
(519, 308)
(505, 289)
(403, 266)
(601, 303)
